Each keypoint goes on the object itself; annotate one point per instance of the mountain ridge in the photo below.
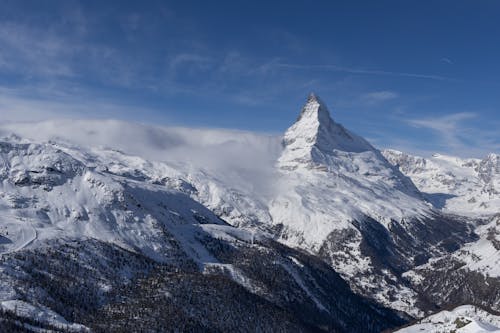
(465, 186)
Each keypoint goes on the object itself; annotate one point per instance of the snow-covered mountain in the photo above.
(332, 194)
(466, 187)
(330, 176)
(462, 186)
(338, 196)
(463, 319)
(284, 220)
(83, 230)
(469, 275)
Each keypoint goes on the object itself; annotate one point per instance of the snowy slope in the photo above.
(333, 194)
(483, 255)
(107, 217)
(462, 186)
(330, 177)
(463, 319)
(47, 193)
(339, 197)
(320, 188)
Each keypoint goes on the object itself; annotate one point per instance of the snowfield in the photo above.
(462, 186)
(463, 319)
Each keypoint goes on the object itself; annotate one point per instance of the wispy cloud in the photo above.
(73, 70)
(379, 96)
(32, 52)
(449, 128)
(459, 136)
(351, 70)
(444, 124)
(190, 61)
(246, 158)
(447, 60)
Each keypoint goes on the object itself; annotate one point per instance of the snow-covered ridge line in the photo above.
(464, 186)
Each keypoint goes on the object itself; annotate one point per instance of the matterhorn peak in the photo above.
(315, 135)
(314, 110)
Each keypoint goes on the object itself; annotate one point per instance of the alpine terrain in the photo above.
(119, 227)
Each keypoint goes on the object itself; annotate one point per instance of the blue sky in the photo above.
(420, 76)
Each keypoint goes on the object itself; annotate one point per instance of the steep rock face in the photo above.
(489, 173)
(316, 141)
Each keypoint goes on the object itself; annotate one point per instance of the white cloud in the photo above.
(458, 136)
(378, 96)
(352, 70)
(447, 60)
(445, 124)
(246, 157)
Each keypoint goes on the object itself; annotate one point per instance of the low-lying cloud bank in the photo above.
(226, 153)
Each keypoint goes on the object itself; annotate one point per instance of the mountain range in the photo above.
(111, 226)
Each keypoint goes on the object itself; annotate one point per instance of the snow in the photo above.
(322, 179)
(235, 274)
(330, 177)
(302, 285)
(315, 133)
(60, 196)
(468, 187)
(129, 184)
(241, 181)
(463, 319)
(232, 234)
(482, 256)
(21, 233)
(41, 314)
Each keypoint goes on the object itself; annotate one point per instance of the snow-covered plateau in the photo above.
(317, 230)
